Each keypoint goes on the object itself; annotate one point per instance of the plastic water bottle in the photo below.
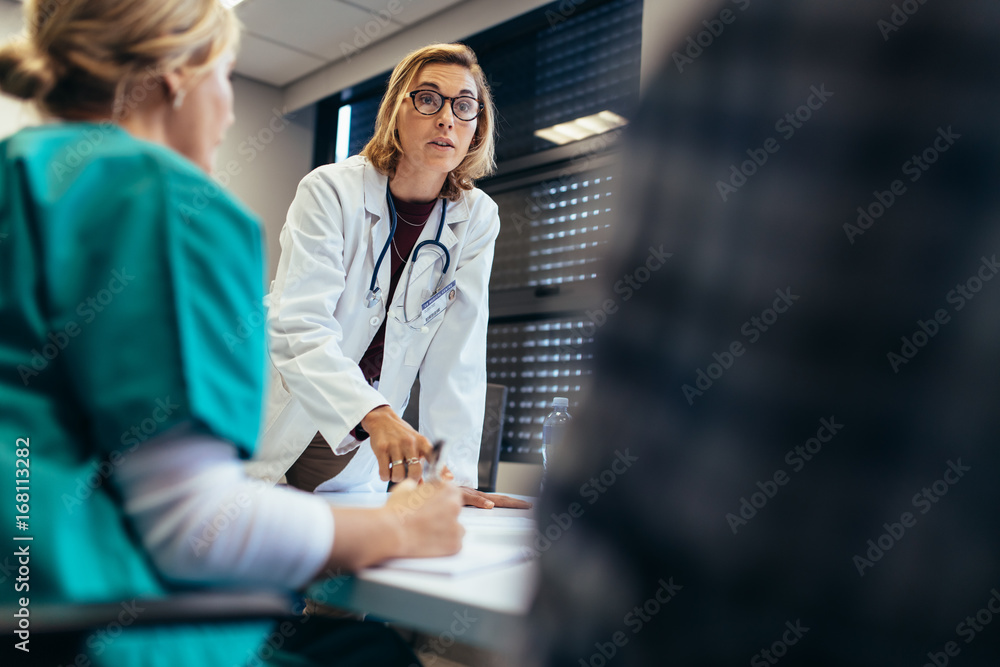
(554, 431)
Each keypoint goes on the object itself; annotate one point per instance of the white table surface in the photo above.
(484, 608)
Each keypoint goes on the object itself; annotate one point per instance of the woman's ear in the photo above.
(174, 83)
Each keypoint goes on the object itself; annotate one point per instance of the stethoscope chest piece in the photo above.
(373, 297)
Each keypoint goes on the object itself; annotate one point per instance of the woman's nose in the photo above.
(445, 116)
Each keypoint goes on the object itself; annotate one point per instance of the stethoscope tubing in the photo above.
(374, 292)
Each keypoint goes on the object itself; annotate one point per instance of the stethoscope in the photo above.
(374, 292)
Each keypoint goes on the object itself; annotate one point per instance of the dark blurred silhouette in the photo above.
(807, 395)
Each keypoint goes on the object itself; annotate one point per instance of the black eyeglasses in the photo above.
(429, 102)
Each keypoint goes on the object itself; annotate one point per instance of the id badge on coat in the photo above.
(438, 302)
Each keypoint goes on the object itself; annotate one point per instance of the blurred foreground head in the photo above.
(77, 59)
(791, 450)
(158, 68)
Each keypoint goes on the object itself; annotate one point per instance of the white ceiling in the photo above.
(284, 40)
(307, 47)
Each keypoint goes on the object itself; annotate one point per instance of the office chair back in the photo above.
(489, 447)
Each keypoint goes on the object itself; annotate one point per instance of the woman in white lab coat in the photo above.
(384, 273)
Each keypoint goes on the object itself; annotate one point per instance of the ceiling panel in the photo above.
(406, 12)
(285, 40)
(326, 29)
(272, 63)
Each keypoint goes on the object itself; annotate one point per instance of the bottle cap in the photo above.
(560, 401)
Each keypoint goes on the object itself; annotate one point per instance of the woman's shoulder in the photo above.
(481, 206)
(103, 159)
(353, 184)
(476, 197)
(63, 151)
(351, 171)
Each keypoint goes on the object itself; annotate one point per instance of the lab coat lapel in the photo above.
(378, 212)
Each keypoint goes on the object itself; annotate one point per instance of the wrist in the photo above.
(391, 527)
(370, 422)
(364, 537)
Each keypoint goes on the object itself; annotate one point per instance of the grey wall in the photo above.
(265, 155)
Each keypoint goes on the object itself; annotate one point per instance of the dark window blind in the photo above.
(537, 360)
(554, 230)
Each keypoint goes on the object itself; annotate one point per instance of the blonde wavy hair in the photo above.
(82, 58)
(384, 149)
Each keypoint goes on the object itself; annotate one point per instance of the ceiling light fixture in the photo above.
(582, 128)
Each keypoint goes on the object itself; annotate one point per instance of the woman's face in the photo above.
(440, 142)
(198, 127)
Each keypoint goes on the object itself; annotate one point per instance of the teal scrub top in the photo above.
(126, 277)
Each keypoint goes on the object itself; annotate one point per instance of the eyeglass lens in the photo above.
(429, 102)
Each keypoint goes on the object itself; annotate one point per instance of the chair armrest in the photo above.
(200, 607)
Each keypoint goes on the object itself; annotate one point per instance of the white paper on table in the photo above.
(505, 530)
(356, 499)
(474, 557)
(493, 538)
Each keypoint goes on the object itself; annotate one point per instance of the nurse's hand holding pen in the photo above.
(416, 521)
(400, 449)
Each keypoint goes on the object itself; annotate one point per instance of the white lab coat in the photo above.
(319, 327)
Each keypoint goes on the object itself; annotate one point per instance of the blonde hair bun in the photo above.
(24, 72)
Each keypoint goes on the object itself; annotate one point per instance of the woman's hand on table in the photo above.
(487, 501)
(476, 498)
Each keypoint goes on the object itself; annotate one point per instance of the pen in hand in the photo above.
(435, 463)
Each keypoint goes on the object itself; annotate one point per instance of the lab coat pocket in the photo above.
(414, 348)
(418, 341)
